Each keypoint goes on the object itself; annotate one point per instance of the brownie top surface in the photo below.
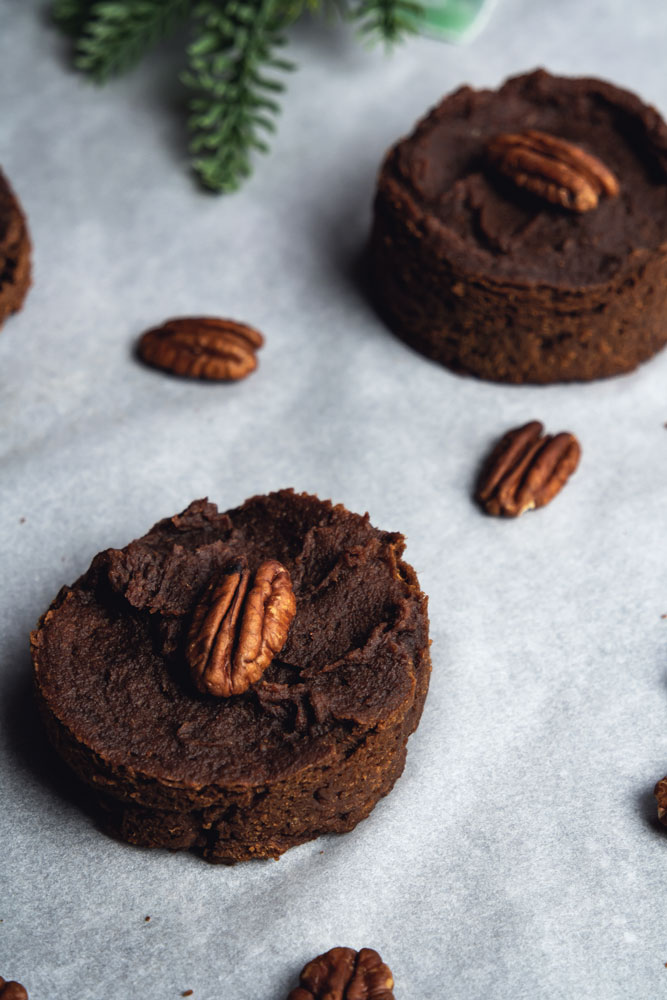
(109, 654)
(483, 222)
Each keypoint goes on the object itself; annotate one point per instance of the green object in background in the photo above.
(453, 20)
(233, 66)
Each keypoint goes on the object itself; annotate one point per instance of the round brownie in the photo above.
(307, 749)
(489, 278)
(14, 252)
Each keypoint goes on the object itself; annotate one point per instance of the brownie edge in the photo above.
(15, 249)
(308, 749)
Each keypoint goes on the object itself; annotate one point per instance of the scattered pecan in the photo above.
(660, 792)
(202, 347)
(236, 630)
(12, 990)
(553, 168)
(526, 470)
(345, 974)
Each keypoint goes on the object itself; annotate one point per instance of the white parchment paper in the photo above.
(518, 856)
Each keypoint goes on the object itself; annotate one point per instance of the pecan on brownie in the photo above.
(520, 235)
(238, 683)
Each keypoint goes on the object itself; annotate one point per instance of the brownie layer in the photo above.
(308, 749)
(489, 279)
(14, 252)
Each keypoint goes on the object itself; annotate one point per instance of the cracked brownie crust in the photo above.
(14, 252)
(308, 749)
(492, 280)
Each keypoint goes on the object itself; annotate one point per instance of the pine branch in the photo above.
(115, 35)
(71, 15)
(234, 66)
(387, 20)
(234, 103)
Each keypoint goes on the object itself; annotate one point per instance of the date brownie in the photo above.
(14, 252)
(155, 679)
(486, 258)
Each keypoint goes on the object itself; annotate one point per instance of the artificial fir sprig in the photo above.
(116, 34)
(233, 64)
(232, 71)
(387, 20)
(71, 15)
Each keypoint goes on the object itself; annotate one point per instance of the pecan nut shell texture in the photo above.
(11, 990)
(660, 792)
(237, 629)
(526, 470)
(345, 974)
(552, 168)
(202, 347)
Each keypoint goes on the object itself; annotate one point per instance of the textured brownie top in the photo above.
(484, 222)
(109, 654)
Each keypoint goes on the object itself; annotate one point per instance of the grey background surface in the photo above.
(518, 857)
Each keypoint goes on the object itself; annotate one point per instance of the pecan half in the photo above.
(236, 630)
(345, 974)
(202, 347)
(12, 990)
(526, 470)
(660, 792)
(553, 168)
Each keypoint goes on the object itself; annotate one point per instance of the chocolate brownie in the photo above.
(307, 749)
(489, 278)
(14, 252)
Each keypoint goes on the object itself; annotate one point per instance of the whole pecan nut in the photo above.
(526, 470)
(12, 990)
(236, 630)
(345, 974)
(553, 168)
(202, 347)
(660, 792)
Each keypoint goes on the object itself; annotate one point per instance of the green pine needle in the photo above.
(389, 21)
(234, 64)
(232, 73)
(71, 15)
(116, 34)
